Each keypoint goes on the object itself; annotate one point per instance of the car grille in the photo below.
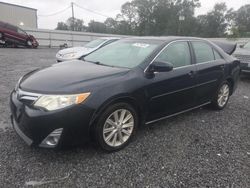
(26, 97)
(243, 58)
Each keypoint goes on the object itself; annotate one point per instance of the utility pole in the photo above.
(73, 16)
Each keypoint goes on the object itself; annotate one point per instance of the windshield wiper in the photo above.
(99, 63)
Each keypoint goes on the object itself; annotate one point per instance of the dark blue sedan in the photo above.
(112, 91)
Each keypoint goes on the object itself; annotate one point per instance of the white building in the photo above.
(18, 15)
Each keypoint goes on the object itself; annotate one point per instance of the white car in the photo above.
(81, 51)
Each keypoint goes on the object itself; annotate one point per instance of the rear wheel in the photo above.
(116, 127)
(222, 96)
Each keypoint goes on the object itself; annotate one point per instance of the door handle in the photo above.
(222, 67)
(191, 73)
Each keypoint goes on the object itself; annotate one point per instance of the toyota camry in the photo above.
(131, 82)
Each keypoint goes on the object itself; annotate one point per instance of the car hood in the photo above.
(78, 50)
(69, 77)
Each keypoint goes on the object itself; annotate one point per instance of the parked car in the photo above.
(115, 89)
(13, 35)
(243, 54)
(81, 51)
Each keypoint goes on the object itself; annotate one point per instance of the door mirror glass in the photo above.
(160, 66)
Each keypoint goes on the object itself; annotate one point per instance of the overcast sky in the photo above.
(105, 7)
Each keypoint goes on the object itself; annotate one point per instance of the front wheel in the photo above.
(29, 44)
(222, 96)
(116, 127)
(2, 41)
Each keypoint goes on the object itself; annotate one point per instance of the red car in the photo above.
(13, 35)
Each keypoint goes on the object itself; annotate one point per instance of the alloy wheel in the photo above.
(223, 95)
(29, 43)
(118, 127)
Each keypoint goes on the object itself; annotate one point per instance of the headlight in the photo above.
(70, 55)
(55, 102)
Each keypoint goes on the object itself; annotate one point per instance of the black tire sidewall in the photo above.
(101, 120)
(215, 100)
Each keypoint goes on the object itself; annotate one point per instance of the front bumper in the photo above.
(245, 67)
(34, 125)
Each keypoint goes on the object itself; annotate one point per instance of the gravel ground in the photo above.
(202, 148)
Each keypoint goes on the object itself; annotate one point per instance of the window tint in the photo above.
(123, 53)
(203, 52)
(217, 55)
(10, 27)
(21, 31)
(177, 53)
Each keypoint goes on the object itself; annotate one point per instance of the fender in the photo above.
(121, 97)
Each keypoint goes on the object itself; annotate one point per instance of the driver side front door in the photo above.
(172, 92)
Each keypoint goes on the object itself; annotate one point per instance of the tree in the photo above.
(169, 17)
(130, 17)
(214, 23)
(71, 24)
(111, 25)
(75, 24)
(96, 27)
(160, 17)
(242, 20)
(62, 26)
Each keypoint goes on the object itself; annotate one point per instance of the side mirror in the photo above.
(160, 66)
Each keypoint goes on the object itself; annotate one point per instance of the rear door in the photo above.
(210, 70)
(22, 35)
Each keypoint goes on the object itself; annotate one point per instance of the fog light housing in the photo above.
(52, 139)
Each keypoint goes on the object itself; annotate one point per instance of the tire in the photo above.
(2, 40)
(222, 96)
(29, 44)
(117, 135)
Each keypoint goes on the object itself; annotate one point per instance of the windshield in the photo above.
(247, 45)
(126, 53)
(94, 43)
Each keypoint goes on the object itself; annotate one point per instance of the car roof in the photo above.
(110, 38)
(3, 24)
(166, 38)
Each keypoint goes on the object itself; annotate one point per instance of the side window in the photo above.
(203, 52)
(10, 27)
(177, 53)
(217, 55)
(21, 31)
